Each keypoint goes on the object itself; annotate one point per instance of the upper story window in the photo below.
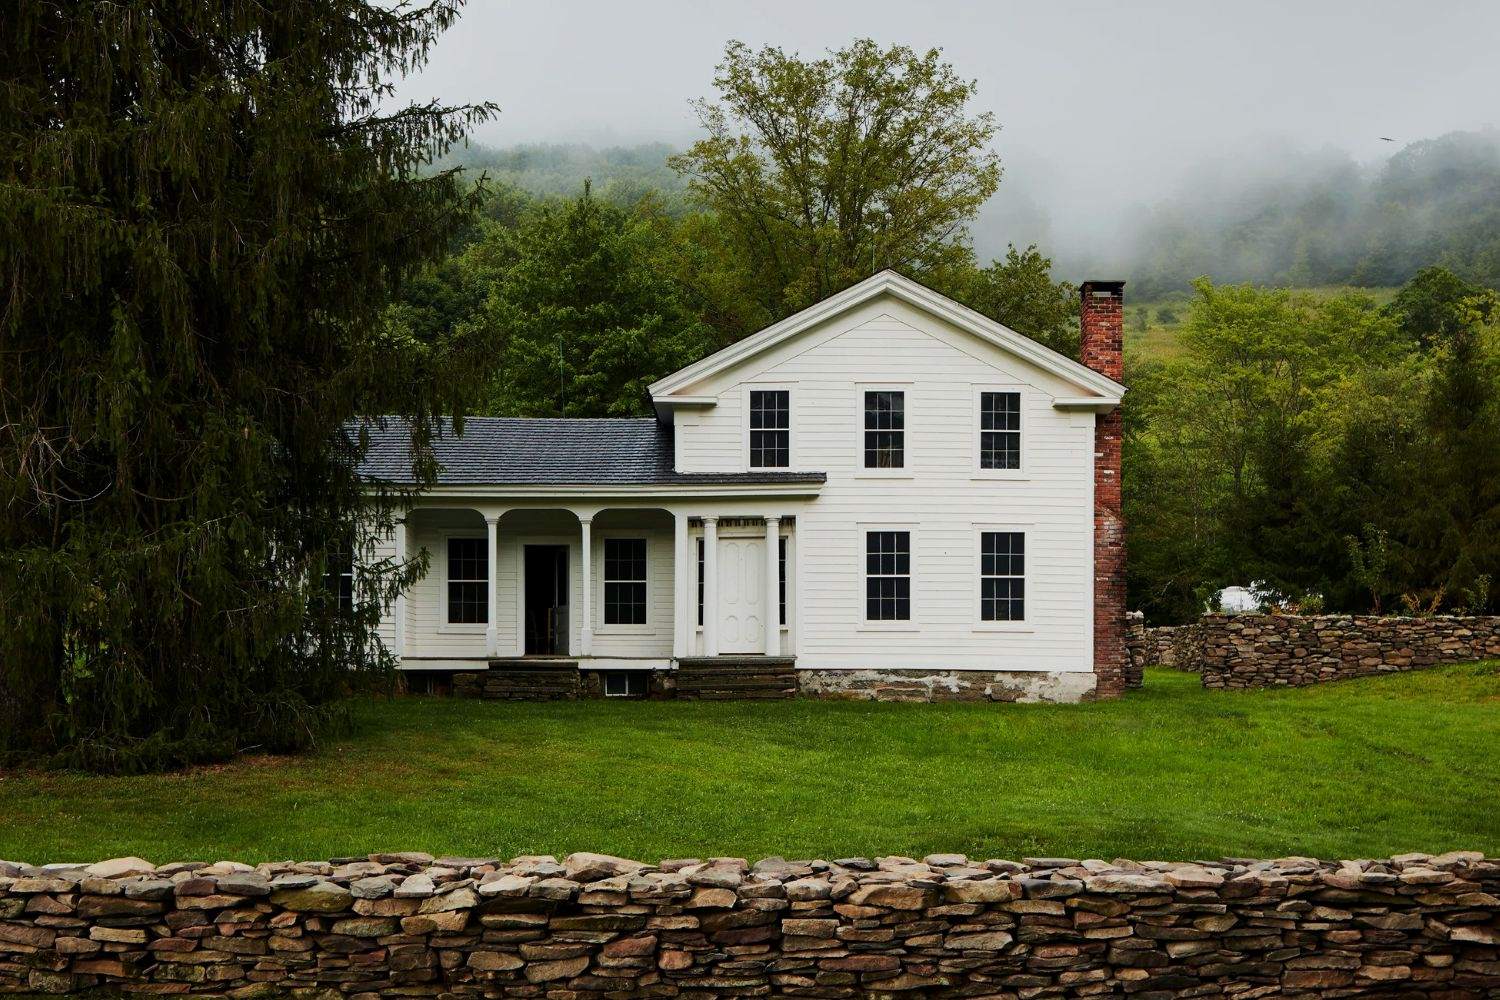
(885, 429)
(770, 428)
(999, 430)
(1002, 576)
(888, 576)
(468, 581)
(624, 581)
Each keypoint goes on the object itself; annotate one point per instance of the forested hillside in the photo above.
(1307, 221)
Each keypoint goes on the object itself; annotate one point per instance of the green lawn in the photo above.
(1361, 768)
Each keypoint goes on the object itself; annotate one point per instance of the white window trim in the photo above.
(790, 388)
(461, 628)
(1020, 475)
(911, 624)
(860, 471)
(607, 674)
(600, 627)
(977, 576)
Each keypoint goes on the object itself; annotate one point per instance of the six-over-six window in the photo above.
(770, 429)
(885, 429)
(468, 581)
(1002, 576)
(999, 430)
(887, 576)
(624, 581)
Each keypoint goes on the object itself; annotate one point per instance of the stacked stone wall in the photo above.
(1253, 651)
(593, 925)
(1157, 646)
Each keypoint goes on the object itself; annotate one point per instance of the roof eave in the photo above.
(663, 392)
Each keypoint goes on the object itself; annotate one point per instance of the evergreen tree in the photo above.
(204, 210)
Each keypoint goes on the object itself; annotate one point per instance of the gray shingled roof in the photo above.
(542, 451)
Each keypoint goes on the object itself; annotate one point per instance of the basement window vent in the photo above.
(625, 683)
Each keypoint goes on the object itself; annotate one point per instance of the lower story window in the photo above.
(468, 581)
(1002, 576)
(624, 581)
(888, 576)
(625, 684)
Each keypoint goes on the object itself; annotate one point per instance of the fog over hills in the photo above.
(1158, 138)
(1285, 216)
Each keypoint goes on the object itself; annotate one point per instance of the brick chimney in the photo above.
(1102, 321)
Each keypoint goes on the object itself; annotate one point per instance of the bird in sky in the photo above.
(1386, 138)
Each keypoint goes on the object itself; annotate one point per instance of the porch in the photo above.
(624, 587)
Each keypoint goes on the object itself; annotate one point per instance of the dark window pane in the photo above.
(700, 583)
(466, 603)
(1002, 584)
(887, 575)
(468, 581)
(624, 581)
(770, 428)
(885, 435)
(1000, 430)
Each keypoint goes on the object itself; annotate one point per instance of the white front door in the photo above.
(742, 590)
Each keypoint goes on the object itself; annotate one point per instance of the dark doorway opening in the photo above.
(546, 600)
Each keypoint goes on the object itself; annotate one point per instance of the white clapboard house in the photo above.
(885, 494)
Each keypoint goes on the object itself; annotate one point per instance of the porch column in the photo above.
(681, 615)
(773, 591)
(492, 602)
(710, 586)
(586, 557)
(398, 613)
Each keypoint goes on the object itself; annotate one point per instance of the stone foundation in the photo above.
(593, 925)
(946, 685)
(1252, 651)
(521, 680)
(728, 678)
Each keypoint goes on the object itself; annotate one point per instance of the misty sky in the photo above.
(1100, 103)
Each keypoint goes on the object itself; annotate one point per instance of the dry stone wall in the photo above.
(593, 925)
(1252, 651)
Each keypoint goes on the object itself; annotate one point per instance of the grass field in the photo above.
(1361, 768)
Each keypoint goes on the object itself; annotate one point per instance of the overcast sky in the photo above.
(1098, 102)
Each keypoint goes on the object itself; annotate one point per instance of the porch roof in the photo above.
(546, 451)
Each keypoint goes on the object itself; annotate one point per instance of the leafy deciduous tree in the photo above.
(822, 171)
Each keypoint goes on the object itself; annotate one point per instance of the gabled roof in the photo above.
(1095, 390)
(523, 451)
